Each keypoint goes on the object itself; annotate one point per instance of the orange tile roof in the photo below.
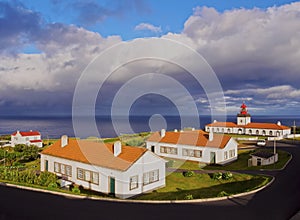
(99, 154)
(266, 126)
(192, 138)
(222, 124)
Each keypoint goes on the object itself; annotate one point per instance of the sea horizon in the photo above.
(55, 126)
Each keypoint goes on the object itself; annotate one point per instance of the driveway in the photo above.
(281, 200)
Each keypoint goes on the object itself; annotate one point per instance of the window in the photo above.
(198, 153)
(184, 152)
(88, 176)
(95, 178)
(56, 167)
(228, 131)
(271, 133)
(231, 153)
(150, 177)
(63, 169)
(257, 132)
(79, 173)
(68, 170)
(191, 153)
(133, 182)
(225, 155)
(168, 150)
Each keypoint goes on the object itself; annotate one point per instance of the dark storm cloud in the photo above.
(18, 25)
(91, 12)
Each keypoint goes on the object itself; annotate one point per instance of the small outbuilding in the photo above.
(261, 158)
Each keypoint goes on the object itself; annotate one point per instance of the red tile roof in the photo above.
(96, 153)
(27, 133)
(250, 125)
(192, 138)
(35, 141)
(266, 126)
(223, 124)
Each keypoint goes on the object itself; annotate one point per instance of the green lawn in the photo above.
(242, 162)
(186, 165)
(202, 186)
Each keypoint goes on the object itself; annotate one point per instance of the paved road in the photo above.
(280, 201)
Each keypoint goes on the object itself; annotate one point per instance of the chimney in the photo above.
(215, 121)
(117, 148)
(211, 135)
(64, 140)
(175, 130)
(193, 129)
(163, 132)
(30, 130)
(279, 123)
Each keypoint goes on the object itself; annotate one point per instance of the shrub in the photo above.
(52, 185)
(188, 197)
(45, 178)
(188, 173)
(226, 176)
(76, 190)
(217, 176)
(223, 193)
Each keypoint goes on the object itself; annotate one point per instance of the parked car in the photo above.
(261, 142)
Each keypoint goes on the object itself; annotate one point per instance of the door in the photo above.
(258, 161)
(112, 186)
(46, 165)
(153, 149)
(212, 157)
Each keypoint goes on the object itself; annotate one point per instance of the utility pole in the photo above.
(274, 146)
(294, 128)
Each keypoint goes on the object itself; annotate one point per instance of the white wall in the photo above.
(147, 162)
(19, 139)
(232, 145)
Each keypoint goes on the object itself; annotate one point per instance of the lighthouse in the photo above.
(243, 118)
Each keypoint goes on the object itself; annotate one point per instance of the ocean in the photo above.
(54, 127)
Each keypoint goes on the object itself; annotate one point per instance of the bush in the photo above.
(76, 190)
(226, 176)
(45, 178)
(188, 197)
(223, 193)
(52, 185)
(217, 176)
(188, 173)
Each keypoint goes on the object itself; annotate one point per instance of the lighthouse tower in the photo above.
(243, 118)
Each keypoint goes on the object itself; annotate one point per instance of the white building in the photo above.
(194, 145)
(27, 137)
(246, 127)
(123, 171)
(262, 158)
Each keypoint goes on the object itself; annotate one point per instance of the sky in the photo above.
(253, 48)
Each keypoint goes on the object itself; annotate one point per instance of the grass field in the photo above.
(242, 162)
(186, 165)
(202, 186)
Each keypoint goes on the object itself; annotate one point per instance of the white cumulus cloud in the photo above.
(148, 27)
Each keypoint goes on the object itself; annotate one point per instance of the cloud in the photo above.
(251, 46)
(148, 27)
(18, 25)
(251, 51)
(91, 12)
